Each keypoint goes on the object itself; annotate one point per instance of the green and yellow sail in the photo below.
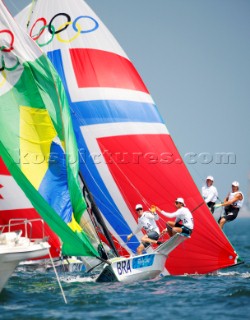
(37, 141)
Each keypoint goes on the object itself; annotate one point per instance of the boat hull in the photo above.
(11, 256)
(143, 267)
(45, 265)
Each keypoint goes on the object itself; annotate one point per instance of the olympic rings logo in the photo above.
(9, 61)
(6, 54)
(39, 26)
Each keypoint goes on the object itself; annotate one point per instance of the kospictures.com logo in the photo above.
(164, 158)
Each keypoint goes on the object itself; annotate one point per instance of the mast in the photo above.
(99, 217)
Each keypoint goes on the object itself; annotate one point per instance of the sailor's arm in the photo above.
(237, 197)
(167, 214)
(133, 233)
(227, 202)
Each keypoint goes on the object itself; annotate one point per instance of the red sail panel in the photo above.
(150, 167)
(104, 69)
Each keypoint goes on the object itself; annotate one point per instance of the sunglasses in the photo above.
(138, 209)
(176, 202)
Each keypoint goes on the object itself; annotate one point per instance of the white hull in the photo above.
(143, 267)
(13, 252)
(67, 265)
(64, 265)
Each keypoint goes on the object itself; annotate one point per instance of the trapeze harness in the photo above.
(231, 211)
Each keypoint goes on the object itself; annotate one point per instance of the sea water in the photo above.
(223, 296)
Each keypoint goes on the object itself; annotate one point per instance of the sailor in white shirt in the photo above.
(183, 222)
(210, 193)
(232, 203)
(146, 221)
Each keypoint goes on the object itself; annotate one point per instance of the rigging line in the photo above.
(143, 198)
(103, 260)
(30, 13)
(84, 123)
(130, 182)
(94, 267)
(93, 179)
(99, 199)
(78, 116)
(117, 217)
(198, 174)
(199, 205)
(95, 225)
(58, 280)
(114, 210)
(132, 185)
(98, 216)
(81, 121)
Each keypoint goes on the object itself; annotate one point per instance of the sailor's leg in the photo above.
(222, 221)
(170, 225)
(145, 238)
(140, 249)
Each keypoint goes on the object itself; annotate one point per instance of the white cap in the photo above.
(138, 206)
(210, 178)
(181, 200)
(235, 184)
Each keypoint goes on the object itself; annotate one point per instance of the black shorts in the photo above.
(184, 229)
(152, 235)
(230, 213)
(210, 205)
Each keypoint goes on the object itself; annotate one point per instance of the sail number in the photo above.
(123, 267)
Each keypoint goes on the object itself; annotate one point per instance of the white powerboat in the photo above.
(15, 248)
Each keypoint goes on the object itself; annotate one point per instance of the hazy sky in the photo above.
(194, 57)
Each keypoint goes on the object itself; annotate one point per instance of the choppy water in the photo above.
(222, 296)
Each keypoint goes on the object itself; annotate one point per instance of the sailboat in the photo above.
(126, 152)
(39, 152)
